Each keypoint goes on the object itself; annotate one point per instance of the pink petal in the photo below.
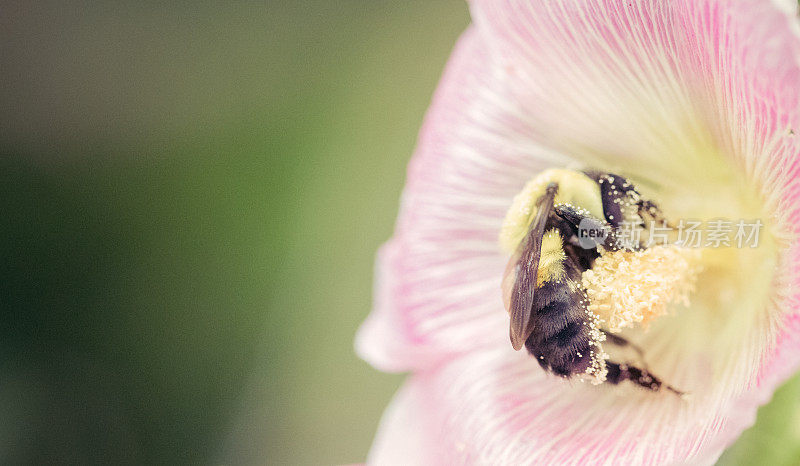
(613, 82)
(439, 277)
(403, 437)
(499, 408)
(581, 78)
(639, 83)
(585, 67)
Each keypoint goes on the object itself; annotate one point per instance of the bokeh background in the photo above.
(192, 194)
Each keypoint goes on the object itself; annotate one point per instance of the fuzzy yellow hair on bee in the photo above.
(574, 188)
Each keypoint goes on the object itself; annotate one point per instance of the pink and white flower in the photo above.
(696, 100)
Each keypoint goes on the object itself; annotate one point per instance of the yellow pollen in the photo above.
(626, 288)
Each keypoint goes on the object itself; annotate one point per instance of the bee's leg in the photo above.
(619, 372)
(623, 343)
(649, 209)
(616, 191)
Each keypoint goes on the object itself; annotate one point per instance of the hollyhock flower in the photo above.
(698, 102)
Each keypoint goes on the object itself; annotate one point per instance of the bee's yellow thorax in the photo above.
(573, 188)
(551, 260)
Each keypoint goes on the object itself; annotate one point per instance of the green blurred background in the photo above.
(192, 196)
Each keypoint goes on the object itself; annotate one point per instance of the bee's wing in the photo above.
(523, 267)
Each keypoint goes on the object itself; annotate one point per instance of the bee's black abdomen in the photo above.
(562, 341)
(553, 317)
(564, 360)
(569, 335)
(550, 292)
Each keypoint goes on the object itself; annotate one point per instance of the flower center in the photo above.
(714, 270)
(626, 288)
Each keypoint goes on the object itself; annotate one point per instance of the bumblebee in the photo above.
(557, 228)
